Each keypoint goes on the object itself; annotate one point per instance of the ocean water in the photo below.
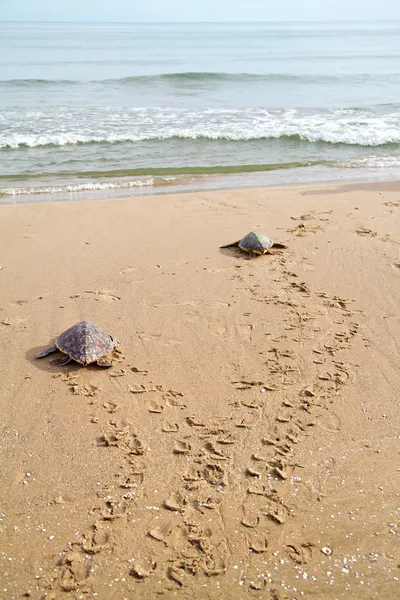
(89, 110)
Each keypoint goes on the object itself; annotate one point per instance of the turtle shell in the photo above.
(85, 343)
(258, 243)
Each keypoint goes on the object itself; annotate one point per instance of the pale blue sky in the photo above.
(198, 10)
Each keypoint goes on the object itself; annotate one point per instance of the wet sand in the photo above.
(245, 443)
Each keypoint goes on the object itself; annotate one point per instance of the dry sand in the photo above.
(245, 444)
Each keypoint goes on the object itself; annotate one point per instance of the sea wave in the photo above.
(80, 187)
(134, 178)
(223, 77)
(74, 126)
(161, 175)
(204, 77)
(313, 135)
(130, 179)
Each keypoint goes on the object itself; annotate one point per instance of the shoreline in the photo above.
(243, 440)
(211, 183)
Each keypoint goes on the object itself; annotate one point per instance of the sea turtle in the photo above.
(85, 343)
(255, 243)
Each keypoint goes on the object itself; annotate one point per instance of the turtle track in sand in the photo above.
(232, 487)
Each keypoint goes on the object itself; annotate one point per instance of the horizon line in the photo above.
(352, 20)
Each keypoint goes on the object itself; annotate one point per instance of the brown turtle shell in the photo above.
(85, 343)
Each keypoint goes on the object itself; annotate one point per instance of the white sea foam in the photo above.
(110, 126)
(373, 162)
(81, 187)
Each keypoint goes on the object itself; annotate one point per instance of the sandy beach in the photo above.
(245, 443)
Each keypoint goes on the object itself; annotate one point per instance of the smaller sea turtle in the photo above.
(85, 343)
(255, 243)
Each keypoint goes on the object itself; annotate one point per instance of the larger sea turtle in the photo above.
(85, 343)
(255, 243)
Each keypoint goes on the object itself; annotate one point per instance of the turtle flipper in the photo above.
(105, 361)
(277, 245)
(46, 351)
(60, 362)
(231, 245)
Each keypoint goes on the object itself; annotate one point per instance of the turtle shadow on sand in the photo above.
(31, 357)
(46, 366)
(235, 252)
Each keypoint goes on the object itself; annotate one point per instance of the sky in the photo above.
(197, 10)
